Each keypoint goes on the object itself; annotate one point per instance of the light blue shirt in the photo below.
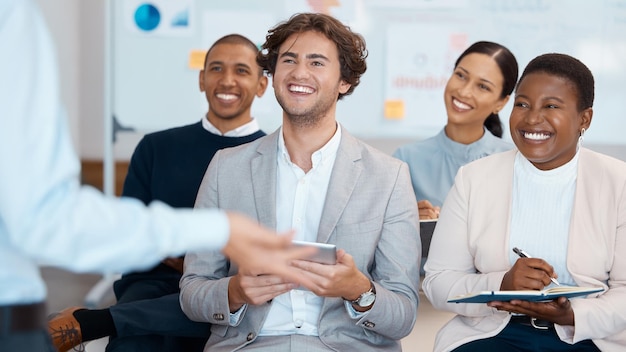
(541, 212)
(46, 217)
(434, 162)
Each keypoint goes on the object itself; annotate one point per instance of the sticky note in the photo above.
(196, 59)
(394, 109)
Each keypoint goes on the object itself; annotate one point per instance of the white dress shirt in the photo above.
(241, 131)
(299, 202)
(46, 217)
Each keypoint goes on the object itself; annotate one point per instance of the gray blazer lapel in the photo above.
(263, 176)
(344, 178)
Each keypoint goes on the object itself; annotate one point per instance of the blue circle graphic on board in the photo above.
(147, 17)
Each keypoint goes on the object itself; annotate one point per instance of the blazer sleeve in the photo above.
(451, 264)
(396, 271)
(605, 316)
(204, 284)
(597, 252)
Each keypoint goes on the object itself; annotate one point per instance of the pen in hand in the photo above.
(523, 254)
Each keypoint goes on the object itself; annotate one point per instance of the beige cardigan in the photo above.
(470, 250)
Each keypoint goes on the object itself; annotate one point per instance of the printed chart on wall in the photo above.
(159, 45)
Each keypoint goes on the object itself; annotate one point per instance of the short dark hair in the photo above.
(350, 45)
(507, 63)
(569, 68)
(233, 39)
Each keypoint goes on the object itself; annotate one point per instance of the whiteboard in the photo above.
(412, 47)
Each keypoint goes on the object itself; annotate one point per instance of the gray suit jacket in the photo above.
(370, 211)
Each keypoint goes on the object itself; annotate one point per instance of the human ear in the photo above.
(344, 86)
(585, 118)
(201, 80)
(262, 86)
(500, 104)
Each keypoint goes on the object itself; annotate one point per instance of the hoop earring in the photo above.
(581, 138)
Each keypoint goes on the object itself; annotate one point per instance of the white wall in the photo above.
(77, 28)
(92, 63)
(62, 19)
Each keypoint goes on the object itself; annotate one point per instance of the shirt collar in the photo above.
(241, 131)
(472, 151)
(326, 152)
(560, 174)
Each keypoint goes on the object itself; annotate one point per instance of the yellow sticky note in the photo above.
(394, 109)
(196, 59)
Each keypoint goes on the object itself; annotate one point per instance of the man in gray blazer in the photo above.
(313, 176)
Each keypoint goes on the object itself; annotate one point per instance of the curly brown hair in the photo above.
(350, 45)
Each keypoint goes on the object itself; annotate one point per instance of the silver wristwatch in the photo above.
(367, 298)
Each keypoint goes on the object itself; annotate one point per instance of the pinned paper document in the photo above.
(196, 59)
(394, 109)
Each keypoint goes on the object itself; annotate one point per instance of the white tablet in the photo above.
(326, 252)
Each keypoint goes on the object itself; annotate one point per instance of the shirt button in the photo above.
(250, 336)
(298, 323)
(218, 316)
(369, 324)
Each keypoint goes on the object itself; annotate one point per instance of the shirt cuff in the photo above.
(235, 318)
(566, 333)
(353, 313)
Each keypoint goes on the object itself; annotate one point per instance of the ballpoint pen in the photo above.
(523, 254)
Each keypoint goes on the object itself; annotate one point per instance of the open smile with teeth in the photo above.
(460, 105)
(227, 97)
(536, 136)
(301, 89)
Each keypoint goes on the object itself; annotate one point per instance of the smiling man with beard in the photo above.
(312, 175)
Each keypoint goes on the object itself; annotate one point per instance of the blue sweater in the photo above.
(169, 165)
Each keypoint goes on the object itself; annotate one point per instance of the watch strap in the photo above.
(372, 290)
